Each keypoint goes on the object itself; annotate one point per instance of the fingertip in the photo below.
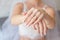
(41, 35)
(32, 8)
(25, 13)
(45, 33)
(28, 24)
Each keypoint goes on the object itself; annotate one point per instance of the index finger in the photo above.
(29, 12)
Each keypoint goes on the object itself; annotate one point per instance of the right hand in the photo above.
(33, 16)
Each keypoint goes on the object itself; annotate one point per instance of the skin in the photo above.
(40, 21)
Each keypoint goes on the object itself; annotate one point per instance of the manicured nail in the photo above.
(42, 35)
(25, 23)
(45, 33)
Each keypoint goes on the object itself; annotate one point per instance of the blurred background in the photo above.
(5, 6)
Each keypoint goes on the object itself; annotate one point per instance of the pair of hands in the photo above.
(36, 19)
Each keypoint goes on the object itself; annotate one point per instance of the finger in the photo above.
(34, 18)
(39, 19)
(45, 27)
(29, 13)
(38, 28)
(41, 28)
(35, 26)
(30, 17)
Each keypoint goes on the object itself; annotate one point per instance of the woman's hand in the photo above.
(33, 16)
(41, 27)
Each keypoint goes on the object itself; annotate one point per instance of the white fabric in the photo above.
(28, 31)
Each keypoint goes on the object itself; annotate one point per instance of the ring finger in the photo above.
(31, 16)
(41, 28)
(34, 18)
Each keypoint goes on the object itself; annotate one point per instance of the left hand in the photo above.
(41, 27)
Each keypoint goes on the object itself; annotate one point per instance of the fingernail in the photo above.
(25, 23)
(45, 33)
(25, 13)
(28, 24)
(42, 34)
